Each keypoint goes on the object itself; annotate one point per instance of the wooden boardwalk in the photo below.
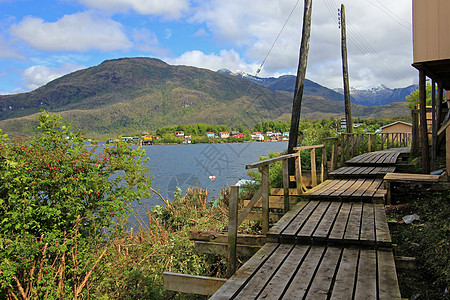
(334, 244)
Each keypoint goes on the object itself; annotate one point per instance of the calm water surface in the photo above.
(192, 165)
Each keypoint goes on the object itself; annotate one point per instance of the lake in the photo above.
(186, 166)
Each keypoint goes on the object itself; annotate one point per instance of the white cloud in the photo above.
(378, 34)
(78, 32)
(147, 41)
(166, 8)
(228, 59)
(38, 75)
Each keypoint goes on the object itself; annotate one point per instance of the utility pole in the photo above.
(300, 83)
(348, 110)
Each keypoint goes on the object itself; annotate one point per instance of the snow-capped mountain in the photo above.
(370, 96)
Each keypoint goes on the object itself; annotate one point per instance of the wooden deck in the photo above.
(286, 271)
(334, 244)
(323, 222)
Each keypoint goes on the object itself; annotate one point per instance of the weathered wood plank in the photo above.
(363, 187)
(222, 237)
(325, 225)
(311, 223)
(387, 277)
(321, 283)
(191, 284)
(222, 249)
(343, 188)
(338, 231)
(355, 186)
(253, 287)
(367, 235)
(371, 190)
(299, 285)
(366, 283)
(286, 220)
(233, 285)
(352, 230)
(280, 280)
(297, 223)
(345, 278)
(382, 235)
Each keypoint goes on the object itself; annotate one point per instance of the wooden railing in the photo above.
(353, 144)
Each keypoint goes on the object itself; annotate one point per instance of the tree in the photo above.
(413, 98)
(57, 201)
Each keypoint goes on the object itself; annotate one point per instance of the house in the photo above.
(431, 57)
(224, 135)
(257, 136)
(211, 134)
(236, 134)
(179, 133)
(397, 127)
(127, 139)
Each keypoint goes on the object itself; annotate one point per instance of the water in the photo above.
(186, 166)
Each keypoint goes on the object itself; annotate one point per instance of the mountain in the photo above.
(129, 95)
(380, 95)
(373, 96)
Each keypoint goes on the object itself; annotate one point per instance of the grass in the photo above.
(427, 239)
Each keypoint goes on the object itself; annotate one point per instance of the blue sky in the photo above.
(43, 40)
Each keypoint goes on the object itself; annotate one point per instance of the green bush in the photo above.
(57, 202)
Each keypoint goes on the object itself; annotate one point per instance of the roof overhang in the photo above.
(437, 70)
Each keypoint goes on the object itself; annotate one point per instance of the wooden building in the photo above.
(398, 126)
(431, 46)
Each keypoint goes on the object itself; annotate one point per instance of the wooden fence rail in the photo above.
(353, 144)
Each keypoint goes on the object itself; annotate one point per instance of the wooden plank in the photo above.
(320, 187)
(299, 285)
(233, 285)
(222, 237)
(275, 202)
(382, 235)
(191, 284)
(367, 235)
(299, 220)
(270, 161)
(345, 278)
(280, 280)
(321, 284)
(408, 177)
(286, 220)
(387, 277)
(232, 230)
(360, 191)
(352, 230)
(356, 185)
(253, 287)
(265, 198)
(343, 188)
(307, 230)
(222, 249)
(280, 192)
(332, 188)
(325, 225)
(338, 231)
(371, 190)
(366, 283)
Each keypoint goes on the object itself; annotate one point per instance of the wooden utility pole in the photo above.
(348, 110)
(300, 83)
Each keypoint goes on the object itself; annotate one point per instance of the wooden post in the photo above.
(265, 198)
(299, 84)
(286, 185)
(324, 168)
(298, 173)
(434, 128)
(334, 155)
(348, 112)
(423, 123)
(342, 149)
(313, 167)
(415, 131)
(232, 230)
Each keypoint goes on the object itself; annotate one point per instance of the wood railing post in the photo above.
(286, 185)
(313, 167)
(232, 230)
(298, 173)
(265, 198)
(334, 155)
(324, 171)
(369, 142)
(343, 150)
